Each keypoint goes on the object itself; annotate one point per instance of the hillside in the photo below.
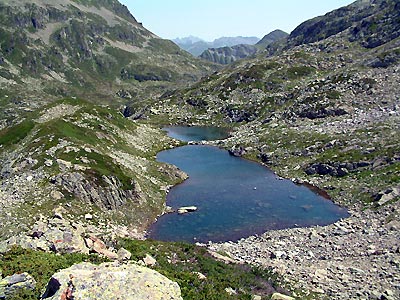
(93, 49)
(271, 37)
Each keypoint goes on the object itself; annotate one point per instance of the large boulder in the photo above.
(237, 151)
(278, 296)
(11, 285)
(111, 281)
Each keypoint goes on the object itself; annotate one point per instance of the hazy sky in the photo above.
(210, 19)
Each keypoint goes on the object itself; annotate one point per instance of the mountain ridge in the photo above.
(199, 46)
(227, 55)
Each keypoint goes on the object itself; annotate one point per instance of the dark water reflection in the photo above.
(196, 133)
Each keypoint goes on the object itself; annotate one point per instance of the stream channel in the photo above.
(235, 197)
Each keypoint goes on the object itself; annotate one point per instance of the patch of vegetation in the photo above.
(40, 265)
(333, 94)
(100, 165)
(297, 72)
(15, 134)
(180, 262)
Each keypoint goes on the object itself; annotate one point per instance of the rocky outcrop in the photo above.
(228, 55)
(386, 196)
(56, 234)
(11, 285)
(312, 113)
(340, 169)
(111, 281)
(110, 196)
(237, 151)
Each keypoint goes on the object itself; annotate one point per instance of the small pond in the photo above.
(235, 198)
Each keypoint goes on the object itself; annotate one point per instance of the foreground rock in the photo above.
(11, 285)
(111, 281)
(355, 258)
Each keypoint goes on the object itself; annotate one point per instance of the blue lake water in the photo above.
(235, 198)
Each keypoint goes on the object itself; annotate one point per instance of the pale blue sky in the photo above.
(210, 19)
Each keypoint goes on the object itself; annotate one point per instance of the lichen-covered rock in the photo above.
(124, 254)
(111, 281)
(14, 283)
(278, 296)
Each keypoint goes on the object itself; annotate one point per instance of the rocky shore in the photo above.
(354, 258)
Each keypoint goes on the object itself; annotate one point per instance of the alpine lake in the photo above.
(234, 197)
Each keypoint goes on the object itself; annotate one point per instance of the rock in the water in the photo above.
(186, 209)
(278, 296)
(112, 281)
(14, 283)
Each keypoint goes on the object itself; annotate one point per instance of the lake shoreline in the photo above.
(303, 210)
(352, 258)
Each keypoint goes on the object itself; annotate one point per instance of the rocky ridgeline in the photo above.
(355, 258)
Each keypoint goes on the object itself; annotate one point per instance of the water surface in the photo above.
(196, 133)
(235, 198)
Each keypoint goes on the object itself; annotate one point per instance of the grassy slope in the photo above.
(98, 141)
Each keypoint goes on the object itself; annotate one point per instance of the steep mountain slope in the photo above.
(370, 22)
(95, 49)
(197, 47)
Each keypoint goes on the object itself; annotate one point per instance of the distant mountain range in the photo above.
(197, 46)
(226, 55)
